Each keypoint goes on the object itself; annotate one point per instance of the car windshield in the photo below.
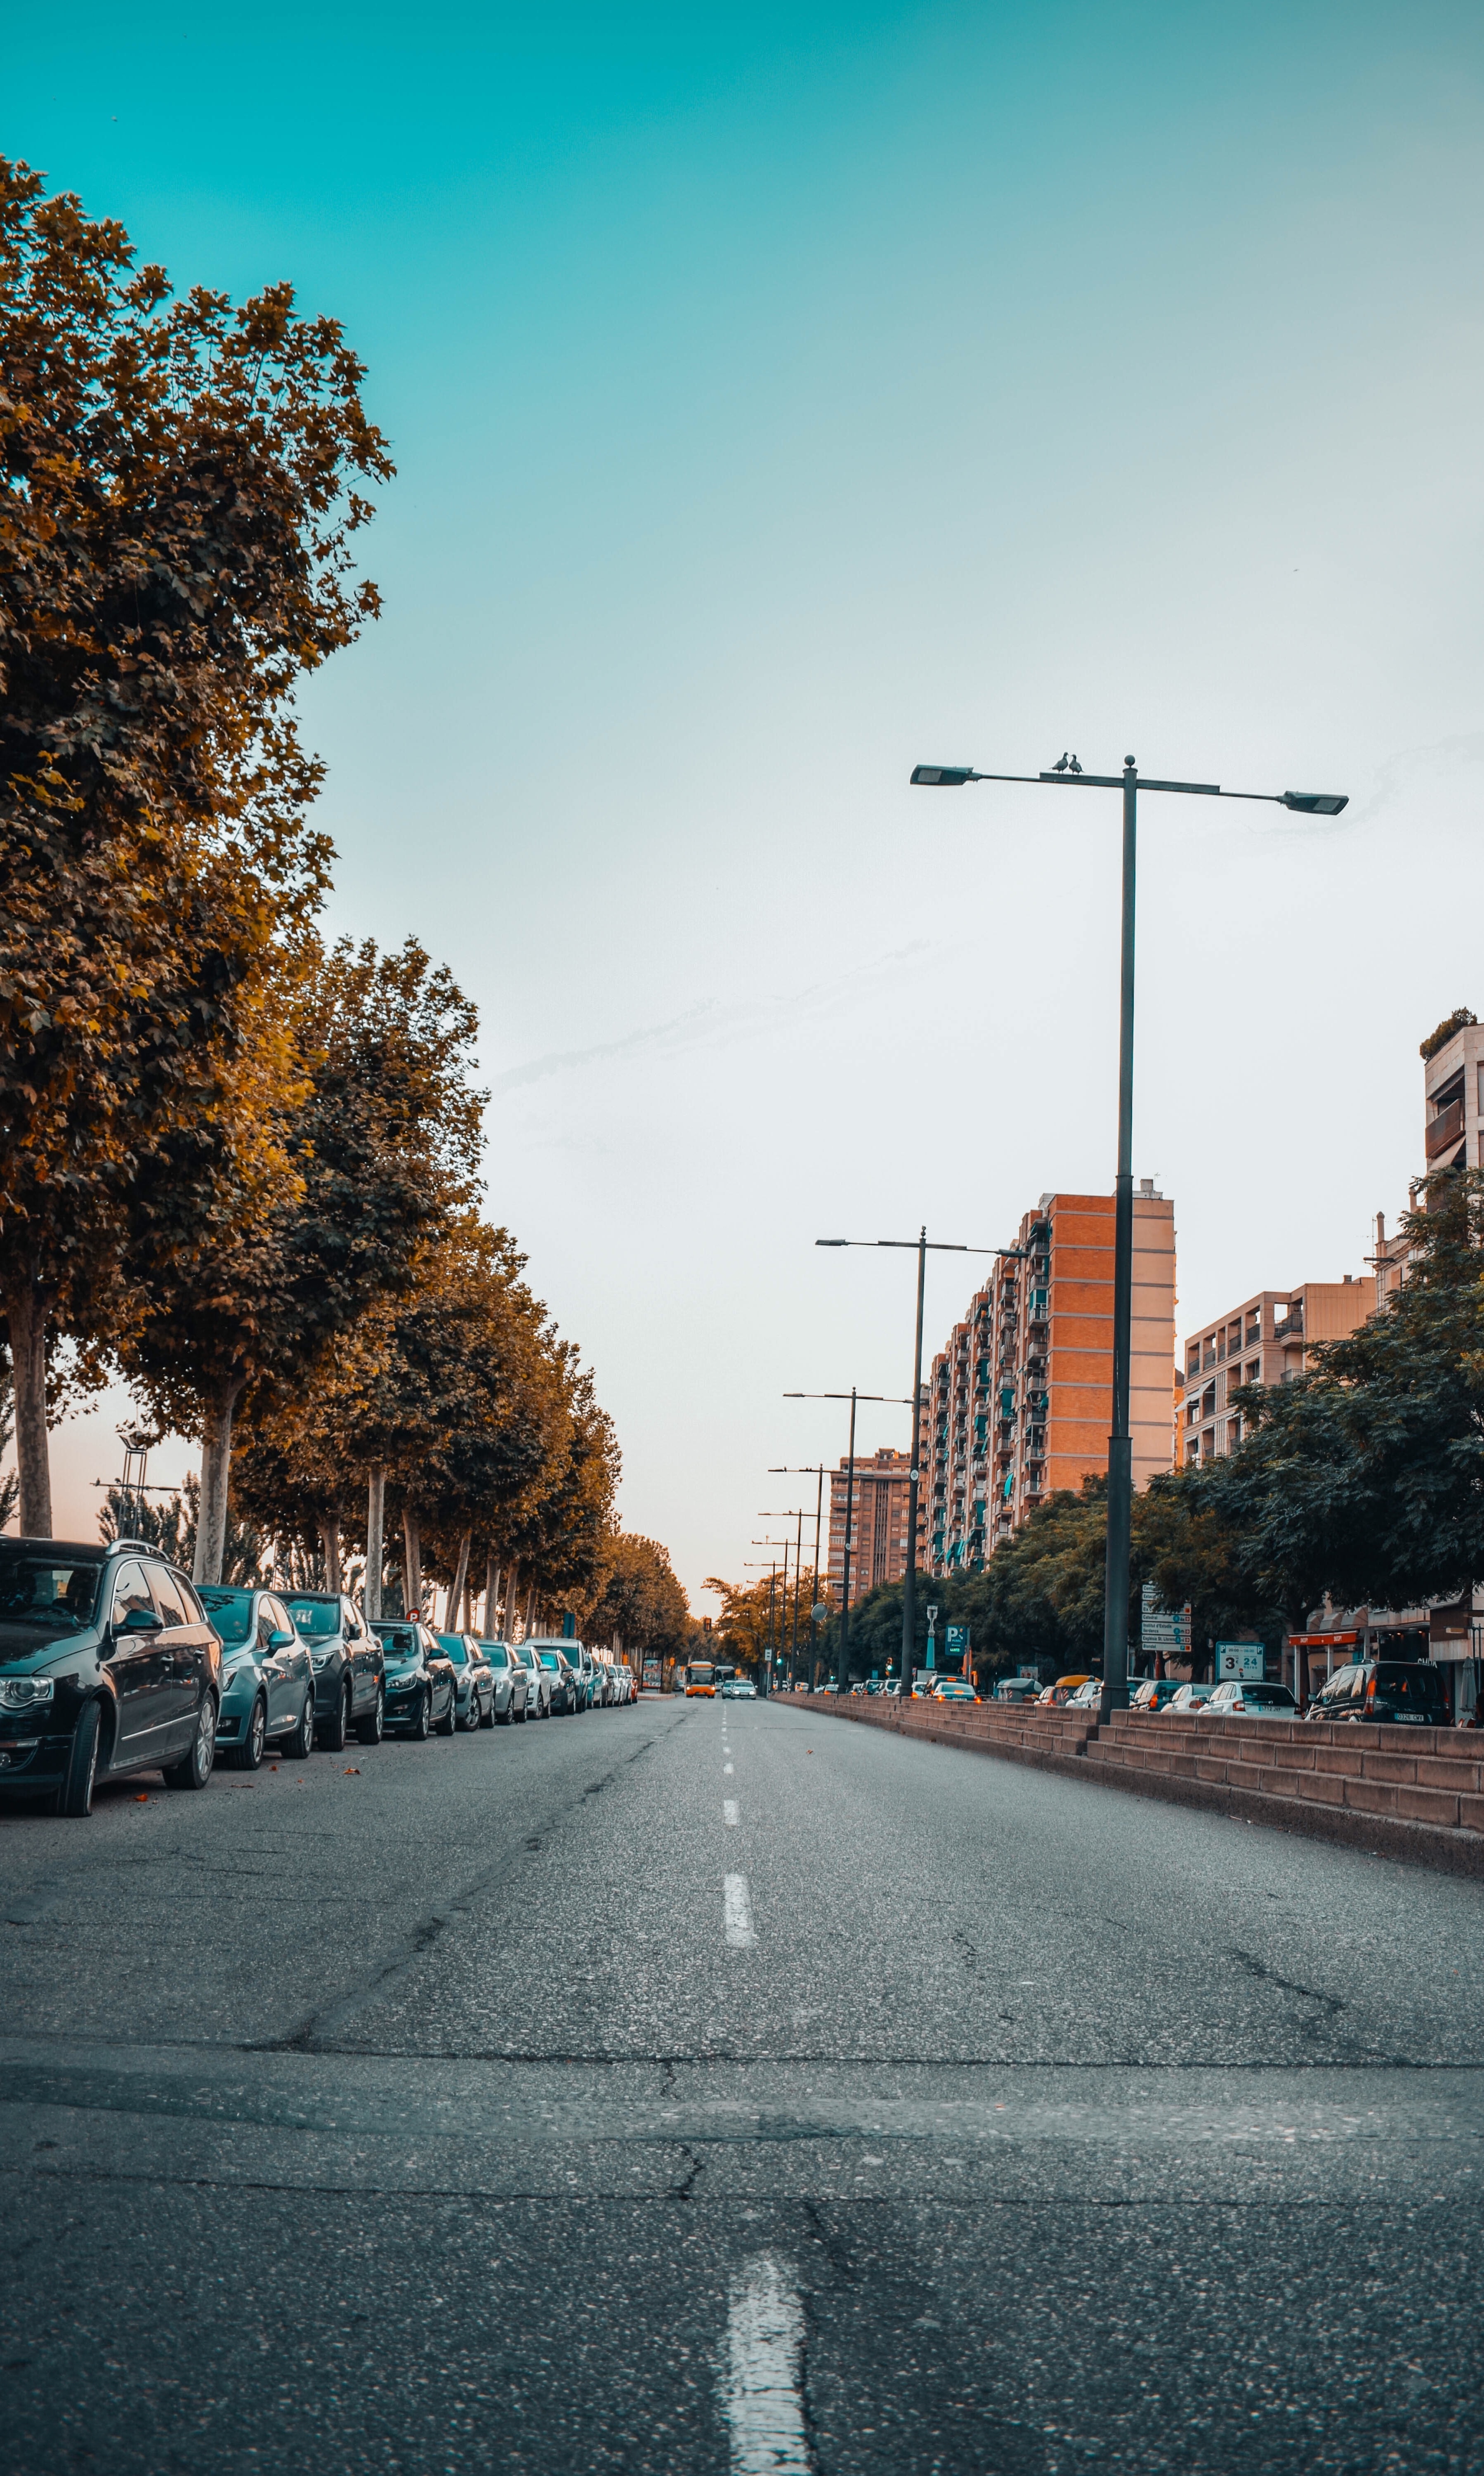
(398, 1642)
(1416, 1682)
(552, 1658)
(231, 1613)
(1269, 1698)
(451, 1644)
(45, 1594)
(496, 1654)
(318, 1619)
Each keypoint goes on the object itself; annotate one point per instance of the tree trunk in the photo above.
(493, 1597)
(330, 1542)
(530, 1608)
(27, 1306)
(376, 1519)
(508, 1625)
(216, 1475)
(456, 1585)
(413, 1566)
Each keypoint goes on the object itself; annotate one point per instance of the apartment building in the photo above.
(1454, 1097)
(1021, 1399)
(879, 1550)
(1266, 1340)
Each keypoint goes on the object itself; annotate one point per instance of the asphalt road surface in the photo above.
(722, 2088)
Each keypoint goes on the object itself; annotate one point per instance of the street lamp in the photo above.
(851, 1397)
(816, 1471)
(1068, 773)
(923, 1245)
(792, 1513)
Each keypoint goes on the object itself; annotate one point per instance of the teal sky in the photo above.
(781, 396)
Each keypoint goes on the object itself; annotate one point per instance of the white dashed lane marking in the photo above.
(727, 1766)
(759, 2372)
(737, 1909)
(729, 1808)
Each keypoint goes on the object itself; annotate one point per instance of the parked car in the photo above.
(564, 1690)
(420, 1688)
(625, 1683)
(1190, 1698)
(1397, 1692)
(1156, 1694)
(267, 1678)
(107, 1664)
(1055, 1696)
(1248, 1699)
(538, 1684)
(350, 1674)
(511, 1681)
(739, 1689)
(474, 1683)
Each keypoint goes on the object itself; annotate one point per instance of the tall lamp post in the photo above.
(816, 1471)
(851, 1397)
(784, 1543)
(923, 1245)
(791, 1513)
(1068, 774)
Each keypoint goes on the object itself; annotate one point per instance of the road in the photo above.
(723, 2088)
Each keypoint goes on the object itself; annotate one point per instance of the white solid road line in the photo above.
(738, 1912)
(729, 1803)
(727, 1766)
(760, 2397)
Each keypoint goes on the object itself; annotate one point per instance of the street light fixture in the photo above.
(1069, 774)
(922, 1245)
(851, 1397)
(816, 1471)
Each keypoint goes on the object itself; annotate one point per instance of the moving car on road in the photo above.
(267, 1681)
(1053, 1696)
(1156, 1694)
(1190, 1698)
(107, 1664)
(954, 1689)
(1240, 1696)
(420, 1688)
(1397, 1692)
(739, 1689)
(349, 1671)
(1088, 1695)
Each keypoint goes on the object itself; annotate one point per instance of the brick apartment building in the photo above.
(1021, 1399)
(878, 1549)
(1264, 1341)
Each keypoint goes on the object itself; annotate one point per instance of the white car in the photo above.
(738, 1689)
(1241, 1694)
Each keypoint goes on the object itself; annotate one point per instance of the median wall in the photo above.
(1398, 1792)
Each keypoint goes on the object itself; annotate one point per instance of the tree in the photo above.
(177, 502)
(743, 1629)
(558, 1530)
(378, 1146)
(638, 1601)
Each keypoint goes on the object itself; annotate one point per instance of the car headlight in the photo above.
(21, 1692)
(319, 1659)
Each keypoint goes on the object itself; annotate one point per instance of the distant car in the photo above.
(626, 1682)
(1190, 1698)
(1087, 1697)
(1017, 1689)
(349, 1671)
(739, 1689)
(1248, 1699)
(1156, 1694)
(954, 1689)
(511, 1680)
(420, 1679)
(267, 1678)
(1393, 1693)
(474, 1683)
(109, 1662)
(1053, 1696)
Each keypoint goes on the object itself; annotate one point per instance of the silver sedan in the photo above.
(512, 1681)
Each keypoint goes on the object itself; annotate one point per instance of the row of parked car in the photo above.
(111, 1661)
(1393, 1693)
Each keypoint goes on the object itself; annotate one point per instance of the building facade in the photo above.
(1266, 1340)
(879, 1547)
(1021, 1401)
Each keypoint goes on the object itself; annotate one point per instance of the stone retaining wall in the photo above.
(1399, 1792)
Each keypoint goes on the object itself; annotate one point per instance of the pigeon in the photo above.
(1073, 767)
(1061, 763)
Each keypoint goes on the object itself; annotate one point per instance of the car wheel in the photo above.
(448, 1725)
(476, 1718)
(194, 1770)
(422, 1720)
(248, 1756)
(75, 1796)
(301, 1744)
(491, 1714)
(369, 1731)
(333, 1731)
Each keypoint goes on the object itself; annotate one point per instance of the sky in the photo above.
(781, 396)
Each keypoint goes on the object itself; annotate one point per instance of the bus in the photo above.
(700, 1677)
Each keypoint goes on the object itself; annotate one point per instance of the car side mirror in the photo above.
(281, 1641)
(138, 1620)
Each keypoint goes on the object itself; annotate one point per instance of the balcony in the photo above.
(1445, 1129)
